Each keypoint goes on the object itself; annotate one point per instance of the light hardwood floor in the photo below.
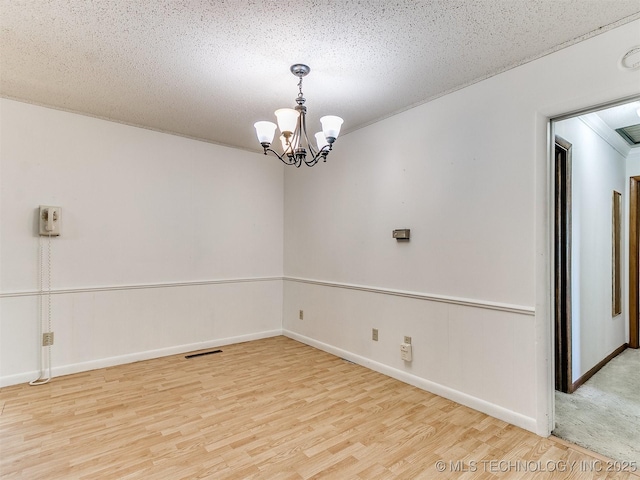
(268, 409)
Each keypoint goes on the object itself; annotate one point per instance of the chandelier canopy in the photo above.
(296, 147)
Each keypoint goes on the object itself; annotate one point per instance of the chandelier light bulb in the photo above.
(321, 140)
(287, 119)
(285, 144)
(331, 127)
(265, 131)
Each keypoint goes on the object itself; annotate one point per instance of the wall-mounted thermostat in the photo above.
(402, 234)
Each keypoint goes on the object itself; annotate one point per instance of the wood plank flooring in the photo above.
(268, 409)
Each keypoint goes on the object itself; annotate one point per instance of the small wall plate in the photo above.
(402, 234)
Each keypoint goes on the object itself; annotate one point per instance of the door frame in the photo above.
(562, 155)
(634, 267)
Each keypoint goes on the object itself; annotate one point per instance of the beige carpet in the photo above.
(603, 415)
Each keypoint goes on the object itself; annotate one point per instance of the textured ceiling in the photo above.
(210, 69)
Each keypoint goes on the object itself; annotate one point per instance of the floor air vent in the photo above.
(203, 353)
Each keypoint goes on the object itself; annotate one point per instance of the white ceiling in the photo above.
(210, 69)
(621, 115)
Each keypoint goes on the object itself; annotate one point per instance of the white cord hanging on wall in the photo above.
(631, 59)
(45, 360)
(49, 223)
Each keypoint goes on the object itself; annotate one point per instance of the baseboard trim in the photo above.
(483, 406)
(135, 357)
(466, 302)
(114, 288)
(580, 381)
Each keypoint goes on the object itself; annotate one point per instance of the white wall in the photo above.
(633, 163)
(597, 170)
(163, 241)
(469, 174)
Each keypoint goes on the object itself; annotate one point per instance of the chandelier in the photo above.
(296, 147)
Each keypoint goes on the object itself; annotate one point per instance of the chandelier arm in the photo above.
(322, 154)
(312, 162)
(290, 149)
(312, 151)
(284, 158)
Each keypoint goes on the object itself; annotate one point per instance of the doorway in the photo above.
(586, 335)
(596, 200)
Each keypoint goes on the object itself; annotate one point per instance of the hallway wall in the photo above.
(597, 170)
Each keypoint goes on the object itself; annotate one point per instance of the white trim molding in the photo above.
(503, 307)
(595, 123)
(483, 406)
(136, 357)
(110, 288)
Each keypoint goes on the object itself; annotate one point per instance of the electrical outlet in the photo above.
(301, 315)
(374, 334)
(407, 340)
(47, 339)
